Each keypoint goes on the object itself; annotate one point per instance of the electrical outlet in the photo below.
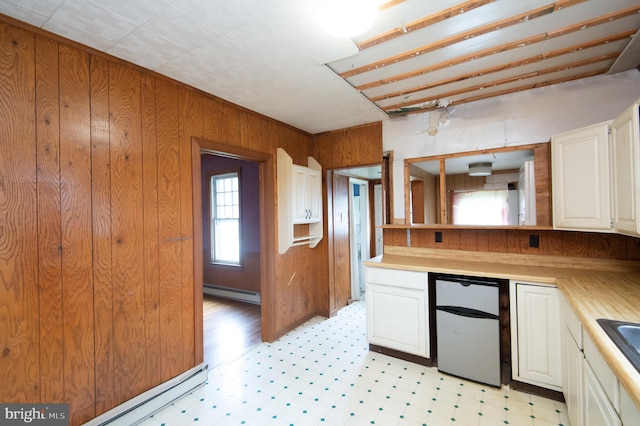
(534, 240)
(438, 236)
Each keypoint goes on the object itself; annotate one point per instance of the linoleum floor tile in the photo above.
(322, 373)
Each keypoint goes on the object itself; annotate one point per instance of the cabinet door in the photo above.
(300, 194)
(397, 318)
(572, 384)
(314, 190)
(629, 411)
(624, 165)
(580, 176)
(307, 195)
(537, 344)
(597, 408)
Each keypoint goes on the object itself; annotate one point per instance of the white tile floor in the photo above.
(322, 373)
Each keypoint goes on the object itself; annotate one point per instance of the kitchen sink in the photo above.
(626, 336)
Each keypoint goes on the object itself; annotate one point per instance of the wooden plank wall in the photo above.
(556, 243)
(97, 294)
(356, 146)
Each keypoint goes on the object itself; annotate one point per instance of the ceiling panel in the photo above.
(271, 56)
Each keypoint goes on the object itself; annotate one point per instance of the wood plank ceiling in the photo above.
(424, 55)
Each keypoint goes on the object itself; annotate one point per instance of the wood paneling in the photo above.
(170, 236)
(151, 232)
(552, 243)
(77, 247)
(19, 316)
(127, 242)
(99, 291)
(102, 236)
(245, 278)
(356, 146)
(191, 123)
(49, 226)
(542, 164)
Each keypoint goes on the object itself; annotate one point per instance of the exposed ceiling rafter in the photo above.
(422, 23)
(457, 38)
(577, 64)
(506, 66)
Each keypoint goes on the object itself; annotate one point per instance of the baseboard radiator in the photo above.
(143, 406)
(232, 293)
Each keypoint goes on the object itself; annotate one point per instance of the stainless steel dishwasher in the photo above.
(468, 327)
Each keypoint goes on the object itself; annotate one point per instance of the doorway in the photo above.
(267, 239)
(231, 257)
(359, 234)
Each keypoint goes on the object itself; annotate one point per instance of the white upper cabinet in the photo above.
(624, 142)
(307, 195)
(299, 201)
(580, 179)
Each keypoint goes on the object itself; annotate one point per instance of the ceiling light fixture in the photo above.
(347, 18)
(480, 169)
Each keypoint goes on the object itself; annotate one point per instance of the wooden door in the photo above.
(341, 249)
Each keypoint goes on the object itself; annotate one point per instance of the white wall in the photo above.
(522, 118)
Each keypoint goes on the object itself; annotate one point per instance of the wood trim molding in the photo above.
(267, 218)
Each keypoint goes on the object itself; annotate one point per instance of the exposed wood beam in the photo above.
(504, 66)
(422, 23)
(493, 27)
(507, 80)
(487, 52)
(475, 32)
(390, 4)
(504, 92)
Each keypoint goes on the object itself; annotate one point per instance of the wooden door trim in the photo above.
(267, 231)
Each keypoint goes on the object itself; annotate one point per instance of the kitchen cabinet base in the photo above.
(537, 390)
(401, 355)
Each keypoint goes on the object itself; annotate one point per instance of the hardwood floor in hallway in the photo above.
(230, 328)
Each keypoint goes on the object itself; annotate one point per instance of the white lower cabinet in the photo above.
(629, 411)
(591, 390)
(572, 384)
(598, 410)
(397, 310)
(536, 344)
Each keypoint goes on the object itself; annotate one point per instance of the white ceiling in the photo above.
(270, 56)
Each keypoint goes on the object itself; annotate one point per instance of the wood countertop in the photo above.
(592, 293)
(535, 273)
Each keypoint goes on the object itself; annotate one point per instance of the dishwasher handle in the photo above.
(466, 312)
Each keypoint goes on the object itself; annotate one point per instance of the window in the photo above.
(225, 218)
(480, 208)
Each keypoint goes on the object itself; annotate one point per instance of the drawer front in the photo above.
(397, 278)
(573, 324)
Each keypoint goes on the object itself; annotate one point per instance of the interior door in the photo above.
(341, 247)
